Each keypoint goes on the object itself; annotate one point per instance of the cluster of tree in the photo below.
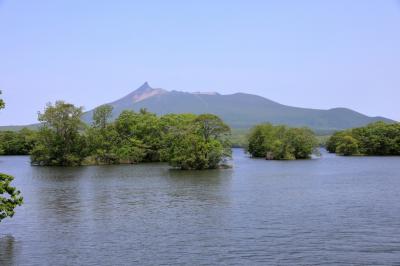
(17, 142)
(281, 142)
(186, 141)
(374, 139)
(10, 197)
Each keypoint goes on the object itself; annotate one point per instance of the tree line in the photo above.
(185, 141)
(378, 138)
(17, 142)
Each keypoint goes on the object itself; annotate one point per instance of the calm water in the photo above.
(331, 210)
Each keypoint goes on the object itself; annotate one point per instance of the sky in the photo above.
(316, 54)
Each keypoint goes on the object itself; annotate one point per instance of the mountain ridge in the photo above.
(239, 110)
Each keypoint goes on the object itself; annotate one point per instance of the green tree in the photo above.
(2, 104)
(211, 127)
(10, 197)
(259, 140)
(130, 150)
(332, 142)
(195, 142)
(102, 137)
(17, 143)
(102, 116)
(374, 139)
(59, 141)
(347, 145)
(143, 126)
(101, 144)
(281, 142)
(302, 141)
(191, 151)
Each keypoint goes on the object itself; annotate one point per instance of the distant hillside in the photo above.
(17, 128)
(239, 110)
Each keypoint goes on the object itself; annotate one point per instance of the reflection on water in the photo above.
(7, 250)
(209, 186)
(328, 210)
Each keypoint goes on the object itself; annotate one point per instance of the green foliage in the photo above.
(101, 137)
(17, 143)
(131, 150)
(210, 126)
(302, 142)
(59, 141)
(195, 142)
(347, 146)
(281, 142)
(101, 144)
(185, 141)
(101, 116)
(334, 140)
(374, 139)
(143, 126)
(191, 151)
(10, 197)
(2, 104)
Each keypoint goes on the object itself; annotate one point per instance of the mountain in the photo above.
(239, 110)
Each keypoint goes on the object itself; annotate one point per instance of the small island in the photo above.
(185, 141)
(281, 142)
(378, 138)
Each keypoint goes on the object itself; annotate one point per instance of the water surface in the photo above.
(331, 210)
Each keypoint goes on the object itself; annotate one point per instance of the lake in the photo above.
(328, 210)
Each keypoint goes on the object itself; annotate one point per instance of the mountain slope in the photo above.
(239, 110)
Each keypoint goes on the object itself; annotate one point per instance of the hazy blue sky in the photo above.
(318, 54)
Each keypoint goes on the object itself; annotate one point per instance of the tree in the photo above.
(102, 115)
(131, 150)
(143, 126)
(192, 142)
(281, 142)
(186, 141)
(347, 145)
(374, 139)
(259, 140)
(333, 141)
(102, 137)
(211, 126)
(17, 143)
(59, 141)
(10, 197)
(303, 142)
(2, 104)
(101, 144)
